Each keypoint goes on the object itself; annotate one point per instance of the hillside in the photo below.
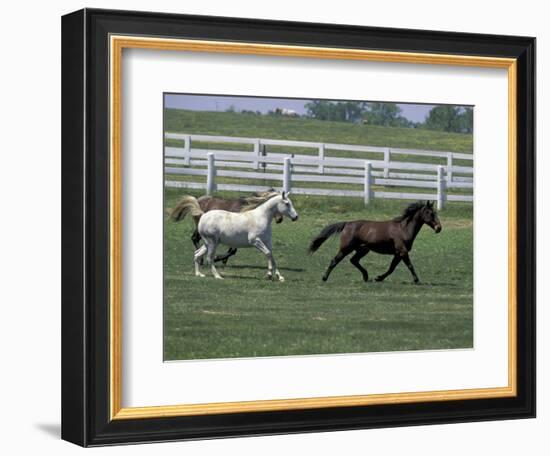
(275, 127)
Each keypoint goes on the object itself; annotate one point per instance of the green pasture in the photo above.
(246, 315)
(304, 129)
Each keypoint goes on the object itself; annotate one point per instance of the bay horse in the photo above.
(251, 228)
(393, 237)
(208, 203)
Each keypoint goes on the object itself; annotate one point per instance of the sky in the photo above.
(412, 111)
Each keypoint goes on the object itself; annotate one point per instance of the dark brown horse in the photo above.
(208, 203)
(393, 237)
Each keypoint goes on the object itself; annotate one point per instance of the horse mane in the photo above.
(252, 202)
(409, 211)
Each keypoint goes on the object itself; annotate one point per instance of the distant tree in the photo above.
(319, 109)
(467, 120)
(231, 109)
(445, 118)
(385, 114)
(352, 111)
(376, 113)
(450, 118)
(341, 111)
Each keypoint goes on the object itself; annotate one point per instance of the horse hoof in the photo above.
(219, 277)
(379, 279)
(281, 279)
(324, 279)
(200, 275)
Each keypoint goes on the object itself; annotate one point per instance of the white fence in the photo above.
(289, 168)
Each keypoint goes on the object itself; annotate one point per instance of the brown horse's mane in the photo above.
(252, 202)
(247, 203)
(409, 211)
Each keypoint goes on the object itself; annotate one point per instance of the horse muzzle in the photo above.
(294, 218)
(437, 228)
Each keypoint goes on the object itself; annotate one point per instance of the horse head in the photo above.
(429, 216)
(285, 207)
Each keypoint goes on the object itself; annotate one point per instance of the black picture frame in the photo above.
(85, 225)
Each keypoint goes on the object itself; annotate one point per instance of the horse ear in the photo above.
(284, 194)
(429, 204)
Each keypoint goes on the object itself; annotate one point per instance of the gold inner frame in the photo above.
(117, 44)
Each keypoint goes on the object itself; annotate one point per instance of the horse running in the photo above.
(251, 228)
(208, 203)
(393, 237)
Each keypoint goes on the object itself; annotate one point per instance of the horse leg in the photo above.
(360, 253)
(271, 265)
(280, 278)
(196, 238)
(223, 258)
(232, 251)
(211, 246)
(334, 262)
(407, 261)
(198, 256)
(394, 262)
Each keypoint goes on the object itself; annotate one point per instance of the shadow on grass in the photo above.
(421, 284)
(243, 277)
(243, 266)
(262, 278)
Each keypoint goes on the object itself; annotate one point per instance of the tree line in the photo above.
(444, 118)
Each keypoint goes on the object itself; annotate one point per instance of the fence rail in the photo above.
(289, 168)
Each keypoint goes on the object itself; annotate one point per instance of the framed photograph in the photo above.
(276, 227)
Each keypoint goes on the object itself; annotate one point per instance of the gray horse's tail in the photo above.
(186, 205)
(326, 232)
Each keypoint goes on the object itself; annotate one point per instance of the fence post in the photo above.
(187, 150)
(321, 157)
(440, 188)
(211, 174)
(263, 153)
(257, 153)
(286, 174)
(449, 167)
(367, 183)
(387, 162)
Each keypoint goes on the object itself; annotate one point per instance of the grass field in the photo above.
(246, 315)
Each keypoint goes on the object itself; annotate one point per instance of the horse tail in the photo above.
(186, 205)
(326, 232)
